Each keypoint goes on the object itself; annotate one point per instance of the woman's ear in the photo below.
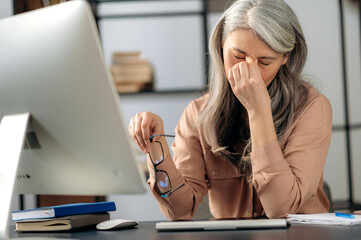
(285, 58)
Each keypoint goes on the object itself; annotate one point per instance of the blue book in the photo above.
(63, 210)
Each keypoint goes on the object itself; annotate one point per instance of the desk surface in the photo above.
(146, 230)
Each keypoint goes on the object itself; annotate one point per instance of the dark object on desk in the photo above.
(116, 224)
(222, 225)
(74, 222)
(63, 210)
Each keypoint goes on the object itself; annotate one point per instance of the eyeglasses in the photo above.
(162, 180)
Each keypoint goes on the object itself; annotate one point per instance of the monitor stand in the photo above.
(12, 136)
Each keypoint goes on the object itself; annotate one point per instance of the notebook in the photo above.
(221, 225)
(67, 223)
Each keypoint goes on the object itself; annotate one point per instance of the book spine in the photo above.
(84, 208)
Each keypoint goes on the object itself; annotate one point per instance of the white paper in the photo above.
(324, 219)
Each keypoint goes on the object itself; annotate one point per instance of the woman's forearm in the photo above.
(261, 128)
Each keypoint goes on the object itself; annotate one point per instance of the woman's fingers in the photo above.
(238, 77)
(146, 133)
(136, 131)
(247, 84)
(243, 71)
(230, 77)
(139, 131)
(236, 74)
(254, 73)
(142, 126)
(131, 129)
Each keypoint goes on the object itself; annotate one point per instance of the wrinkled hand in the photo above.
(142, 126)
(248, 86)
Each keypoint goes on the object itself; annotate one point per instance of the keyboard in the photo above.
(215, 225)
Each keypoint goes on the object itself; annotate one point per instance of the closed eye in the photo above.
(241, 58)
(244, 58)
(264, 64)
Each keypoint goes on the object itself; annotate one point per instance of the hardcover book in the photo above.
(63, 210)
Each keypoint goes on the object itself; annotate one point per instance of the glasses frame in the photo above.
(170, 191)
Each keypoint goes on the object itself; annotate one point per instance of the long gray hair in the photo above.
(224, 120)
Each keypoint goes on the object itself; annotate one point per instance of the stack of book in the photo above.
(131, 72)
(62, 217)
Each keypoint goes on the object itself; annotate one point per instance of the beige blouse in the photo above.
(287, 176)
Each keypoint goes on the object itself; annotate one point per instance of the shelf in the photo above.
(147, 15)
(165, 92)
(105, 1)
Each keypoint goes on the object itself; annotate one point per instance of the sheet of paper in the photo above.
(324, 219)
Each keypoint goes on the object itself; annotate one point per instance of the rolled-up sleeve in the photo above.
(285, 179)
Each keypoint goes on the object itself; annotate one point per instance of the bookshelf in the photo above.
(165, 15)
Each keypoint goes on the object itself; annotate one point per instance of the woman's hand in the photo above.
(142, 126)
(250, 89)
(248, 86)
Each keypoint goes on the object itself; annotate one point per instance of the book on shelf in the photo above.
(125, 57)
(128, 73)
(67, 223)
(63, 210)
(131, 72)
(133, 87)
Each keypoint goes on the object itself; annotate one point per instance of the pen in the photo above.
(344, 215)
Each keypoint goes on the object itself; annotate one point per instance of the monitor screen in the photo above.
(52, 66)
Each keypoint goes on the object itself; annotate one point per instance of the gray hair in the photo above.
(276, 24)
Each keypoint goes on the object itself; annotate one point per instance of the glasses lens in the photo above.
(163, 182)
(156, 153)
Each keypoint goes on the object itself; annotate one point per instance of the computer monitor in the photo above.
(52, 67)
